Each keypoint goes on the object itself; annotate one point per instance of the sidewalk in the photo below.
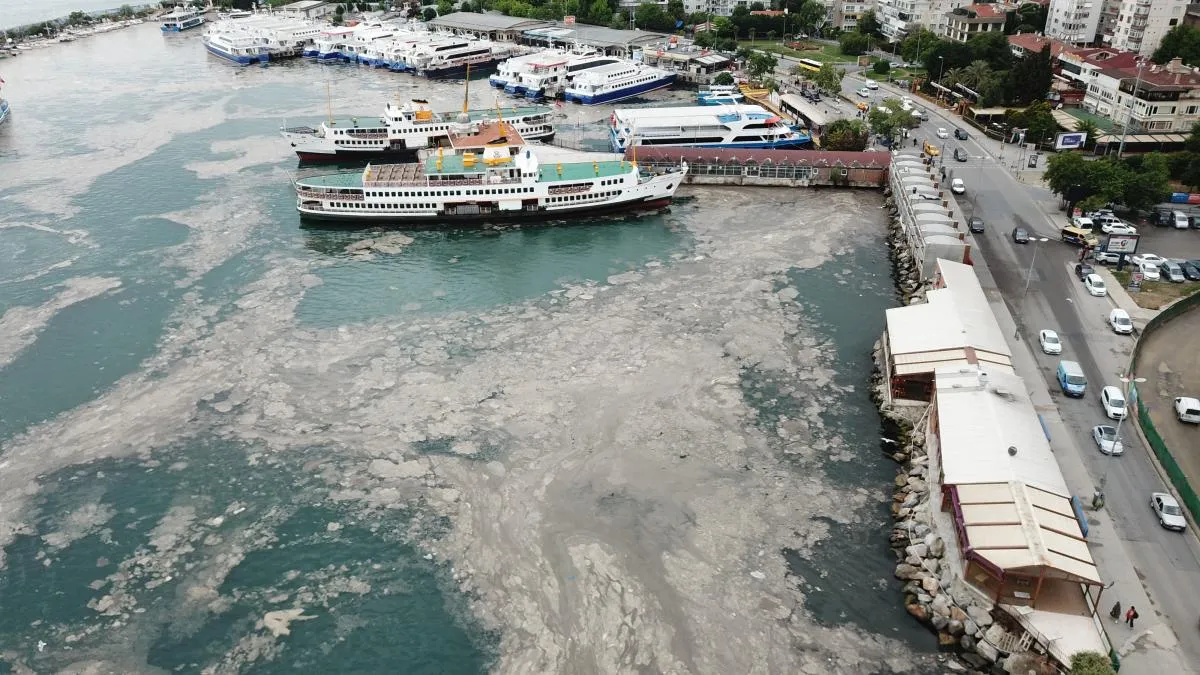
(1152, 646)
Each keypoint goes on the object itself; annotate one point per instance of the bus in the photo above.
(810, 65)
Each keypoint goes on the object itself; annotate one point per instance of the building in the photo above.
(309, 9)
(955, 327)
(898, 17)
(1081, 65)
(490, 26)
(1153, 98)
(1141, 24)
(1024, 44)
(963, 23)
(1192, 17)
(1075, 22)
(611, 41)
(689, 65)
(846, 13)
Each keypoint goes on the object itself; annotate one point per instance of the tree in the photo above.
(125, 12)
(947, 55)
(1146, 180)
(975, 74)
(881, 67)
(762, 63)
(1030, 78)
(599, 13)
(1088, 127)
(809, 15)
(917, 44)
(445, 7)
(1182, 41)
(854, 43)
(429, 14)
(888, 118)
(845, 134)
(1066, 172)
(675, 9)
(829, 78)
(723, 78)
(868, 23)
(1037, 120)
(650, 16)
(1091, 663)
(993, 48)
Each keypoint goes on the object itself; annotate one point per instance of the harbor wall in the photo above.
(771, 168)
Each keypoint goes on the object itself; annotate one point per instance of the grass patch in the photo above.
(816, 52)
(1156, 294)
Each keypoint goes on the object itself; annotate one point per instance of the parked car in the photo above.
(960, 154)
(1082, 270)
(942, 133)
(975, 224)
(1149, 271)
(1049, 342)
(1117, 228)
(1180, 220)
(1095, 285)
(1106, 258)
(957, 186)
(1139, 258)
(1171, 271)
(1107, 441)
(1191, 269)
(1120, 322)
(895, 64)
(1020, 235)
(864, 92)
(1167, 510)
(872, 85)
(960, 134)
(1187, 409)
(1113, 402)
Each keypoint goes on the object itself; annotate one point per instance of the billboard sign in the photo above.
(1121, 243)
(1070, 141)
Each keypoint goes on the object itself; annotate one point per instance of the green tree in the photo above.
(868, 23)
(809, 15)
(430, 14)
(1145, 180)
(445, 7)
(1088, 127)
(723, 78)
(650, 16)
(917, 44)
(854, 43)
(829, 78)
(1091, 663)
(1182, 41)
(888, 118)
(993, 48)
(125, 12)
(1030, 78)
(881, 67)
(947, 55)
(845, 134)
(1037, 120)
(762, 63)
(675, 9)
(976, 73)
(599, 12)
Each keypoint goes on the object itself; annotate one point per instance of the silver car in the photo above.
(1167, 509)
(1049, 341)
(1106, 439)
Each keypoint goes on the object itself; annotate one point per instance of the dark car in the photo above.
(1084, 269)
(1020, 235)
(975, 224)
(960, 134)
(960, 154)
(1191, 269)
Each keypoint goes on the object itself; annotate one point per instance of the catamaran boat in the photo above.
(241, 47)
(356, 46)
(405, 128)
(328, 45)
(488, 174)
(398, 55)
(549, 76)
(451, 57)
(609, 84)
(720, 94)
(738, 126)
(181, 19)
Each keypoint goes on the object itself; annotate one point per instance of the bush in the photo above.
(1091, 663)
(881, 67)
(854, 43)
(724, 77)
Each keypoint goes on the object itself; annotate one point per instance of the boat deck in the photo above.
(393, 173)
(583, 170)
(360, 122)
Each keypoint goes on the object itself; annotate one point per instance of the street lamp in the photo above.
(1132, 102)
(1028, 277)
(1116, 439)
(941, 72)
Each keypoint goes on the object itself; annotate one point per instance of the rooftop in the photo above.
(1032, 42)
(485, 22)
(814, 114)
(597, 36)
(985, 13)
(1168, 77)
(1102, 56)
(303, 5)
(745, 155)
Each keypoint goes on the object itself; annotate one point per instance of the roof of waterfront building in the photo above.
(955, 327)
(877, 160)
(489, 21)
(596, 36)
(810, 111)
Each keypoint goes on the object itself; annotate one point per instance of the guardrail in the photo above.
(1175, 474)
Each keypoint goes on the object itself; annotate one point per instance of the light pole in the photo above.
(1099, 503)
(941, 72)
(1132, 102)
(1028, 277)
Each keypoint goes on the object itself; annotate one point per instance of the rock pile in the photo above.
(904, 267)
(390, 244)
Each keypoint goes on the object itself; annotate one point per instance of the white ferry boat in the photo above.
(739, 126)
(720, 94)
(405, 128)
(239, 47)
(5, 109)
(328, 45)
(235, 14)
(181, 19)
(508, 73)
(549, 76)
(398, 55)
(355, 47)
(452, 57)
(487, 176)
(608, 84)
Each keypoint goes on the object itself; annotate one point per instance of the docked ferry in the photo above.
(720, 94)
(181, 19)
(486, 176)
(452, 57)
(617, 82)
(550, 75)
(739, 126)
(239, 47)
(4, 109)
(405, 128)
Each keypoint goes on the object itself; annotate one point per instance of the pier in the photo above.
(777, 168)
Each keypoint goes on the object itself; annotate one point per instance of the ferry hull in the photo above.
(648, 204)
(620, 94)
(497, 82)
(394, 152)
(457, 71)
(238, 59)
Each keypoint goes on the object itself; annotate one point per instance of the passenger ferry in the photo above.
(488, 175)
(4, 108)
(508, 73)
(720, 94)
(328, 45)
(181, 19)
(452, 57)
(550, 76)
(740, 126)
(239, 47)
(356, 46)
(405, 128)
(608, 84)
(235, 14)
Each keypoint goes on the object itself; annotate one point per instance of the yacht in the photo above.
(736, 126)
(488, 174)
(181, 19)
(451, 57)
(617, 82)
(405, 128)
(549, 76)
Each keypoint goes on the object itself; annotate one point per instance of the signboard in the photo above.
(1070, 141)
(1122, 243)
(1135, 282)
(569, 19)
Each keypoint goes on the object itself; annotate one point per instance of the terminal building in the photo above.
(536, 32)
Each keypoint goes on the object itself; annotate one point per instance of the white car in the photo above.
(1095, 285)
(1149, 271)
(1168, 512)
(1106, 258)
(1106, 439)
(872, 86)
(1119, 320)
(1139, 258)
(1118, 228)
(1187, 409)
(957, 186)
(942, 133)
(1049, 341)
(1113, 401)
(864, 92)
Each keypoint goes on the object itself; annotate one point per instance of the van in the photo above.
(1083, 223)
(1079, 237)
(1181, 220)
(1071, 379)
(1187, 409)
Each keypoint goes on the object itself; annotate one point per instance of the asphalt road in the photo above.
(1168, 563)
(1170, 362)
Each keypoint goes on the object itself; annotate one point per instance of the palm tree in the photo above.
(976, 73)
(1088, 127)
(953, 77)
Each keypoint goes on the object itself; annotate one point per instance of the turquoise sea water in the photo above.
(447, 459)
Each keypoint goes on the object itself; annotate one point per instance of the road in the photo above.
(1170, 361)
(1167, 563)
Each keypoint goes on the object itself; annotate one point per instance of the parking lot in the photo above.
(1169, 242)
(1170, 362)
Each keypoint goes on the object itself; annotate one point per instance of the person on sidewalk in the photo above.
(1131, 615)
(1115, 612)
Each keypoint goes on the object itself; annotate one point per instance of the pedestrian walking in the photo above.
(1115, 612)
(1131, 615)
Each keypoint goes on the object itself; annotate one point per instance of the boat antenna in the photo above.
(329, 104)
(500, 116)
(633, 142)
(466, 88)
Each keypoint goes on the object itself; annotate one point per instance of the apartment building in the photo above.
(963, 23)
(1075, 22)
(1140, 25)
(1154, 98)
(898, 17)
(847, 13)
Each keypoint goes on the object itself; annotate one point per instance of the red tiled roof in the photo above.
(987, 11)
(1032, 42)
(1157, 76)
(768, 12)
(1107, 57)
(742, 155)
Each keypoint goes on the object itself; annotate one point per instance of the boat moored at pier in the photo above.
(181, 19)
(489, 175)
(720, 94)
(616, 82)
(737, 126)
